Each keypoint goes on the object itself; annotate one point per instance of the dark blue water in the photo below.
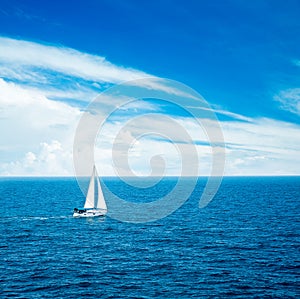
(244, 244)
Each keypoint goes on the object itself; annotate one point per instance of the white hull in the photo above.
(89, 213)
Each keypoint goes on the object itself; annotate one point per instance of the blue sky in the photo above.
(243, 57)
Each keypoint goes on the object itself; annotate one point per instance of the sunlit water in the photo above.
(244, 244)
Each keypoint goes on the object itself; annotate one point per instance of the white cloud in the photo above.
(50, 160)
(28, 119)
(259, 146)
(37, 133)
(263, 146)
(41, 113)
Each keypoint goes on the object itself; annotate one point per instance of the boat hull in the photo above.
(89, 213)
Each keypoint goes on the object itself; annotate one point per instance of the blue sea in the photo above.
(244, 244)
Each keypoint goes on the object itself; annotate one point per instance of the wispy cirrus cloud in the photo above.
(43, 66)
(21, 53)
(59, 72)
(289, 100)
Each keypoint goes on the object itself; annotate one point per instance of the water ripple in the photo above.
(245, 244)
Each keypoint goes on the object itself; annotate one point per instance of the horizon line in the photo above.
(143, 177)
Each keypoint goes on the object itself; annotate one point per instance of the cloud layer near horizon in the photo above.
(44, 88)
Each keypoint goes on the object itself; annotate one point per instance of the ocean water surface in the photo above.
(244, 244)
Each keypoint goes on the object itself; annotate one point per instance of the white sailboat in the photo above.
(94, 204)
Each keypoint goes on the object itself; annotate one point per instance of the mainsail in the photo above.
(93, 201)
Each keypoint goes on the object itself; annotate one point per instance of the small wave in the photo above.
(43, 218)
